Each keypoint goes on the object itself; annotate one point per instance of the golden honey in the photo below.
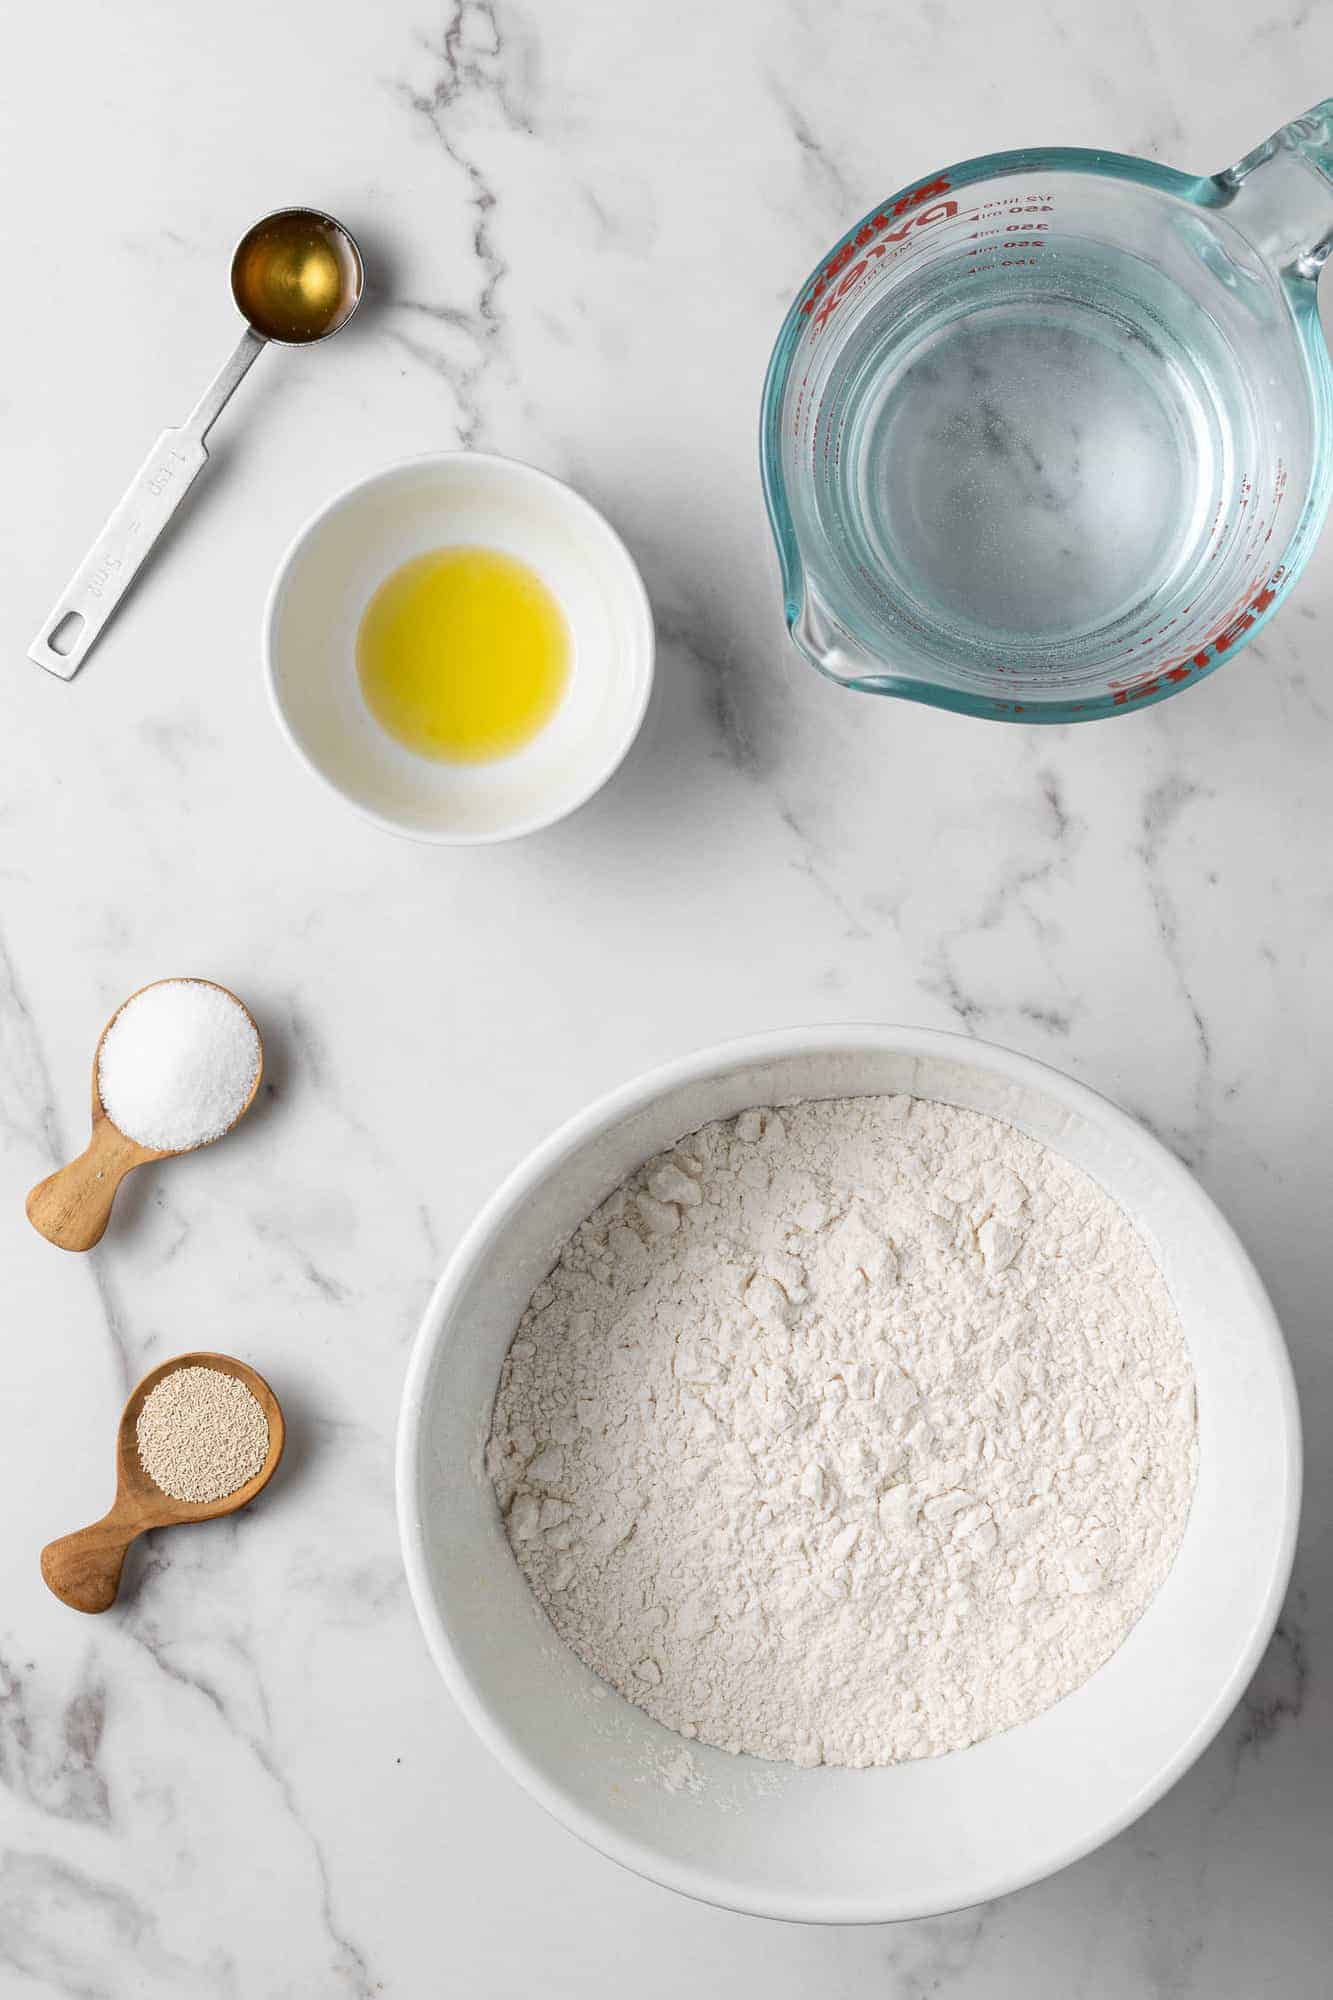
(295, 276)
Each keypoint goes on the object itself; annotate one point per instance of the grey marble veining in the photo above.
(582, 225)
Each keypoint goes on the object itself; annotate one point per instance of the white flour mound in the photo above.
(848, 1433)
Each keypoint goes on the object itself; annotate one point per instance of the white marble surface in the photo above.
(583, 223)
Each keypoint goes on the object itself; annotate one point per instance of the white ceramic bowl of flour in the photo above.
(912, 1839)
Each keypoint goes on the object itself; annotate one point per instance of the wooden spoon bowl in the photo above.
(84, 1569)
(71, 1207)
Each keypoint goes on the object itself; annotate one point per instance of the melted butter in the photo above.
(463, 655)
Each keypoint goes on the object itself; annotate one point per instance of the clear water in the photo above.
(1025, 467)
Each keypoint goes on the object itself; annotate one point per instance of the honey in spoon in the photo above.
(296, 276)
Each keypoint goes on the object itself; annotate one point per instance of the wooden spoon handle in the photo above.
(84, 1569)
(71, 1208)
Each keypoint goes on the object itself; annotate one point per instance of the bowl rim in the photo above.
(613, 1107)
(564, 495)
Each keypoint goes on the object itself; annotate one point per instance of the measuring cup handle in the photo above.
(1282, 193)
(86, 605)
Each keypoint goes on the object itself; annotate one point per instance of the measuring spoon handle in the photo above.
(84, 1569)
(85, 607)
(72, 1206)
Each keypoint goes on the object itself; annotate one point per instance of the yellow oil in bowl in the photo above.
(463, 655)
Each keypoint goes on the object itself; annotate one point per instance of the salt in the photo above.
(178, 1065)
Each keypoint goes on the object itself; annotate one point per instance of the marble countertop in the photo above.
(583, 224)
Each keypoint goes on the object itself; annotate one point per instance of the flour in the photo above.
(848, 1433)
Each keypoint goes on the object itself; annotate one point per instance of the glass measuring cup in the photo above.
(1045, 437)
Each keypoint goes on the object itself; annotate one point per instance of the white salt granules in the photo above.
(201, 1434)
(177, 1064)
(848, 1433)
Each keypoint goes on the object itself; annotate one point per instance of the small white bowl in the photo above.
(344, 553)
(911, 1840)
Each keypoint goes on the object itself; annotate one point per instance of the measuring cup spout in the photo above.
(1281, 194)
(817, 635)
(825, 641)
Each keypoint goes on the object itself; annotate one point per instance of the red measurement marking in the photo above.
(1210, 654)
(878, 225)
(851, 278)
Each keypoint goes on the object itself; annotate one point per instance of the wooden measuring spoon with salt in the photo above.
(72, 1207)
(84, 1569)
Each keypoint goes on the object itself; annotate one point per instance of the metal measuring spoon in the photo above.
(297, 277)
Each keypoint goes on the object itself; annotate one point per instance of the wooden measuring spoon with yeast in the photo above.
(71, 1207)
(84, 1569)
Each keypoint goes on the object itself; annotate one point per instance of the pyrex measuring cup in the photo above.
(1046, 437)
